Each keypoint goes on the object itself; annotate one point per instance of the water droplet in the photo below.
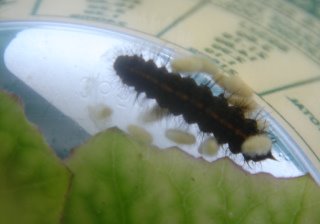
(105, 87)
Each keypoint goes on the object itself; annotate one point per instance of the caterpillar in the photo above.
(196, 103)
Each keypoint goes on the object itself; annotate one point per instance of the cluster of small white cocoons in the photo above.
(239, 94)
(232, 84)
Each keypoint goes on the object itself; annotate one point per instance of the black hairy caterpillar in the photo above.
(196, 103)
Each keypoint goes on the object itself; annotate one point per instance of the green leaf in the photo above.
(117, 180)
(33, 182)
